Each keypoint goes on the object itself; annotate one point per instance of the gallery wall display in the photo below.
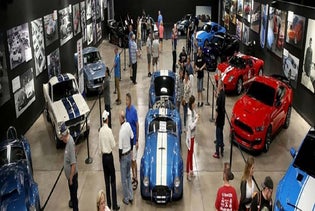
(263, 24)
(226, 20)
(245, 34)
(38, 45)
(255, 17)
(65, 24)
(276, 30)
(308, 74)
(51, 26)
(24, 95)
(98, 9)
(223, 9)
(53, 62)
(239, 26)
(18, 39)
(99, 31)
(233, 11)
(76, 19)
(83, 21)
(4, 81)
(89, 33)
(88, 9)
(240, 8)
(247, 10)
(290, 67)
(295, 29)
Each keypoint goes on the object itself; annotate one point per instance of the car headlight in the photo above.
(231, 78)
(176, 182)
(146, 181)
(279, 205)
(260, 128)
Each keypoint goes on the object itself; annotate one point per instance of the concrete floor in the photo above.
(199, 194)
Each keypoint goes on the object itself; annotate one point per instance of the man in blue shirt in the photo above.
(132, 118)
(117, 75)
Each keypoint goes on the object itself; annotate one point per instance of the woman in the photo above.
(187, 93)
(101, 202)
(247, 185)
(179, 87)
(193, 118)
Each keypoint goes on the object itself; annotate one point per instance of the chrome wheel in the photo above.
(267, 139)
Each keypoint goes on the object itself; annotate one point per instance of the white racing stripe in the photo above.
(161, 159)
(163, 72)
(306, 199)
(162, 111)
(226, 71)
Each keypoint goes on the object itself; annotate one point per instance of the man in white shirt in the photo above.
(155, 52)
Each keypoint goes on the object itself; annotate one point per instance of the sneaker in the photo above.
(149, 74)
(70, 204)
(118, 102)
(201, 104)
(215, 155)
(188, 177)
(198, 105)
(117, 207)
(131, 201)
(114, 92)
(125, 202)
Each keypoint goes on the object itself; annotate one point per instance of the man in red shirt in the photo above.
(226, 196)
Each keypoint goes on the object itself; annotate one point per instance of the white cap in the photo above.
(105, 115)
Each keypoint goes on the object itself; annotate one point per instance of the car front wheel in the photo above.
(267, 139)
(287, 118)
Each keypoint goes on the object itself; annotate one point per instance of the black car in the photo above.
(183, 24)
(118, 33)
(220, 47)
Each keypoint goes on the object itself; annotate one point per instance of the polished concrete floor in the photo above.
(199, 194)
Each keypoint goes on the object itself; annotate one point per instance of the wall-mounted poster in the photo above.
(76, 19)
(83, 21)
(51, 25)
(239, 26)
(19, 45)
(223, 9)
(38, 45)
(240, 8)
(99, 31)
(89, 33)
(53, 62)
(290, 67)
(263, 24)
(276, 30)
(233, 11)
(65, 24)
(255, 17)
(226, 20)
(88, 9)
(4, 81)
(102, 9)
(247, 10)
(245, 34)
(25, 95)
(295, 29)
(308, 74)
(97, 9)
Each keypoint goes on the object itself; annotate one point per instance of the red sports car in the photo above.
(239, 69)
(259, 113)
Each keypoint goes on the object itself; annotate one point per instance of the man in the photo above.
(182, 59)
(174, 45)
(106, 146)
(155, 52)
(125, 135)
(219, 119)
(263, 199)
(133, 57)
(308, 58)
(70, 166)
(106, 90)
(132, 119)
(117, 76)
(149, 52)
(200, 65)
(160, 18)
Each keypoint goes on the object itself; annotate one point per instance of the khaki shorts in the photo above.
(155, 60)
(149, 58)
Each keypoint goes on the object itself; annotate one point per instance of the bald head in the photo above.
(121, 117)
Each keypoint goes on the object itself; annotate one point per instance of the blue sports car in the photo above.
(161, 169)
(208, 31)
(18, 190)
(162, 88)
(295, 190)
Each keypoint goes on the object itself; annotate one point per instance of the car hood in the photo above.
(95, 70)
(201, 34)
(296, 188)
(226, 69)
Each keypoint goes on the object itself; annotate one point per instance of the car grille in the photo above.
(161, 194)
(243, 126)
(98, 81)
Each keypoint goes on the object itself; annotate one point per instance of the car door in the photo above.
(278, 108)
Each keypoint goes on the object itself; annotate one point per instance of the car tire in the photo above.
(287, 118)
(267, 140)
(239, 86)
(260, 72)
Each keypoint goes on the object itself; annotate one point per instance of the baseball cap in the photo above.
(105, 115)
(268, 183)
(64, 129)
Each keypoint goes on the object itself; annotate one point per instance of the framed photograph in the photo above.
(38, 45)
(263, 24)
(51, 26)
(88, 9)
(247, 9)
(295, 29)
(290, 67)
(239, 28)
(240, 8)
(25, 95)
(19, 45)
(53, 62)
(255, 17)
(65, 24)
(233, 11)
(4, 81)
(223, 10)
(276, 30)
(226, 20)
(97, 9)
(245, 34)
(89, 33)
(308, 74)
(76, 19)
(83, 21)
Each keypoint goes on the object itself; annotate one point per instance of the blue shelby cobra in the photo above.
(18, 190)
(208, 31)
(161, 169)
(162, 87)
(295, 190)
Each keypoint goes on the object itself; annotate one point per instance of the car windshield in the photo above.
(262, 93)
(164, 85)
(11, 154)
(162, 124)
(92, 57)
(64, 89)
(238, 62)
(306, 156)
(207, 28)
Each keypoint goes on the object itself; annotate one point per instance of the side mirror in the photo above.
(292, 152)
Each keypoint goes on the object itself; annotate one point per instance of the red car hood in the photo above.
(226, 69)
(251, 111)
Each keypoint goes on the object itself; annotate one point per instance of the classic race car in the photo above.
(118, 33)
(183, 24)
(162, 87)
(64, 103)
(19, 191)
(295, 190)
(261, 112)
(208, 31)
(161, 169)
(93, 69)
(239, 69)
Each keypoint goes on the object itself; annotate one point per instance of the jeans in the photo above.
(110, 179)
(185, 113)
(219, 137)
(73, 192)
(134, 72)
(174, 61)
(125, 165)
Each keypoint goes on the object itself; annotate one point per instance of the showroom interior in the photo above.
(38, 39)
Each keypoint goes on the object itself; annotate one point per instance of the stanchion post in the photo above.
(212, 118)
(124, 58)
(88, 160)
(100, 105)
(231, 148)
(208, 104)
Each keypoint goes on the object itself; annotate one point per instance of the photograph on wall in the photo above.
(255, 17)
(83, 21)
(99, 31)
(239, 26)
(308, 74)
(233, 11)
(245, 34)
(51, 25)
(19, 45)
(290, 67)
(88, 9)
(97, 9)
(38, 45)
(76, 19)
(65, 24)
(295, 29)
(102, 9)
(263, 24)
(4, 80)
(226, 20)
(89, 33)
(53, 63)
(223, 10)
(25, 95)
(240, 8)
(247, 10)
